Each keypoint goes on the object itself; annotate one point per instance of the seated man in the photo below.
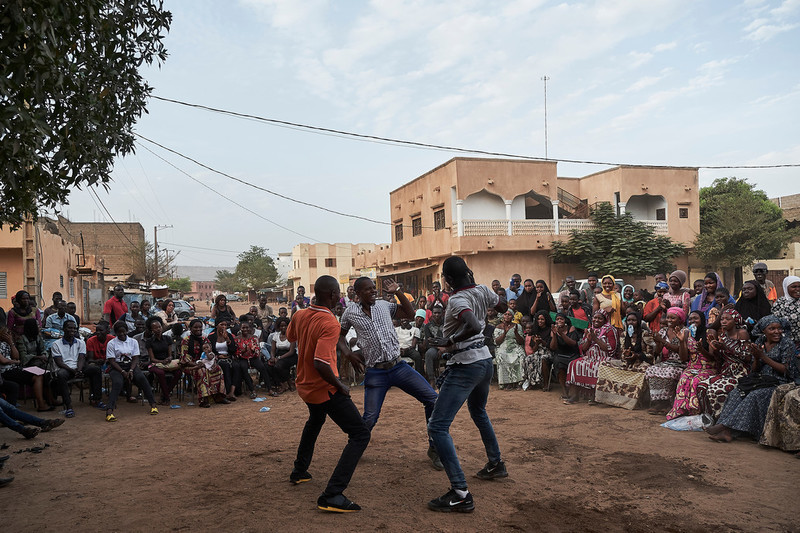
(432, 330)
(54, 325)
(11, 417)
(408, 336)
(95, 359)
(69, 355)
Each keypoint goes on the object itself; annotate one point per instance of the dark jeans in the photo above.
(344, 414)
(9, 415)
(283, 368)
(10, 390)
(94, 373)
(118, 380)
(226, 365)
(468, 383)
(377, 382)
(161, 376)
(241, 372)
(62, 377)
(432, 359)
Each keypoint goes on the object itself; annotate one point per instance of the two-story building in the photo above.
(309, 261)
(504, 215)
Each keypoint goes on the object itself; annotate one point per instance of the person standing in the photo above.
(380, 352)
(467, 378)
(514, 288)
(115, 306)
(760, 273)
(437, 296)
(316, 332)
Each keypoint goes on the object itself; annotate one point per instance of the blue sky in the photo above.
(659, 82)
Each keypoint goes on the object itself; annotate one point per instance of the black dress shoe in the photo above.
(5, 481)
(4, 458)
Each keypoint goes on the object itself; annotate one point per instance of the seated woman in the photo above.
(223, 344)
(700, 365)
(788, 306)
(599, 344)
(537, 351)
(163, 362)
(745, 409)
(284, 356)
(608, 299)
(509, 352)
(207, 377)
(677, 295)
(663, 376)
(564, 346)
(621, 382)
(122, 356)
(13, 364)
(707, 299)
(167, 314)
(248, 355)
(222, 311)
(23, 310)
(732, 355)
(753, 304)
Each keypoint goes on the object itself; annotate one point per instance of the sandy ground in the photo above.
(572, 468)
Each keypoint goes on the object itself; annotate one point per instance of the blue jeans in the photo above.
(468, 383)
(10, 414)
(377, 382)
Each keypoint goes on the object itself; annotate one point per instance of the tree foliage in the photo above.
(738, 224)
(256, 269)
(180, 284)
(618, 245)
(228, 282)
(70, 93)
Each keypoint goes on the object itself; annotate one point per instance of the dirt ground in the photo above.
(572, 468)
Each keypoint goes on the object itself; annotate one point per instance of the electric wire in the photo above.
(109, 216)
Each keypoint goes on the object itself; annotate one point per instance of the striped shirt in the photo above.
(376, 335)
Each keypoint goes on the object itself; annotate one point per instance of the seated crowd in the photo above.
(680, 351)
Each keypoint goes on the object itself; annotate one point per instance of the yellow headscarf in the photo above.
(612, 300)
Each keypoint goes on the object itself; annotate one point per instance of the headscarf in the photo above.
(543, 333)
(788, 280)
(756, 308)
(27, 311)
(679, 312)
(602, 312)
(701, 298)
(681, 275)
(735, 315)
(771, 319)
(613, 279)
(623, 293)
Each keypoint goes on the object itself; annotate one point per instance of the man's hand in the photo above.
(343, 388)
(441, 342)
(390, 286)
(357, 361)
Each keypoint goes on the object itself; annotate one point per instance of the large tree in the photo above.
(619, 245)
(228, 282)
(256, 269)
(70, 93)
(738, 225)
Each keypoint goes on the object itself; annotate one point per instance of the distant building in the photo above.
(202, 290)
(121, 245)
(504, 215)
(309, 261)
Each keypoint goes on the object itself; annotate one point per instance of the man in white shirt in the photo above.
(408, 336)
(122, 356)
(69, 355)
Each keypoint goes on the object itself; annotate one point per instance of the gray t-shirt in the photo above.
(478, 299)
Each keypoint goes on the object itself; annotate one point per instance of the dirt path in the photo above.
(572, 468)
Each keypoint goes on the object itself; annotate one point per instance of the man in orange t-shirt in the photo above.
(316, 332)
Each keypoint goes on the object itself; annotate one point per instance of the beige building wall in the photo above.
(310, 261)
(504, 215)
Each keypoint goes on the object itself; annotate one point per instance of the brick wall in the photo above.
(108, 241)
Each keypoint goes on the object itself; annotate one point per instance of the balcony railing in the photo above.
(484, 228)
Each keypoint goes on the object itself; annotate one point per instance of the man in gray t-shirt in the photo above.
(467, 379)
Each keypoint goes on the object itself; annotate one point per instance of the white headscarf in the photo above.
(788, 280)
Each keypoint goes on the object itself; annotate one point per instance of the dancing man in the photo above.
(316, 332)
(380, 352)
(467, 378)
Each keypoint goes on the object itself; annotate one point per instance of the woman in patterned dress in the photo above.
(609, 300)
(700, 365)
(537, 350)
(207, 381)
(730, 350)
(599, 343)
(773, 353)
(677, 295)
(509, 352)
(662, 377)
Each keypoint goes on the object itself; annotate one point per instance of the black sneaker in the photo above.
(51, 424)
(30, 432)
(337, 504)
(452, 502)
(493, 471)
(299, 477)
(434, 457)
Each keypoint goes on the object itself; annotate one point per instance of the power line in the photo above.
(429, 146)
(109, 216)
(200, 247)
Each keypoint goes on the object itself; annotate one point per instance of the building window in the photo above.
(3, 287)
(330, 262)
(416, 226)
(398, 232)
(312, 263)
(72, 287)
(438, 220)
(683, 212)
(61, 281)
(661, 214)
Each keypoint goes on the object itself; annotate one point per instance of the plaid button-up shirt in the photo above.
(376, 335)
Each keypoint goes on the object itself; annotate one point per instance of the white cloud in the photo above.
(772, 22)
(663, 47)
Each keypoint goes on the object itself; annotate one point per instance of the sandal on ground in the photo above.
(568, 401)
(154, 410)
(204, 403)
(231, 398)
(110, 417)
(273, 394)
(253, 395)
(69, 413)
(592, 402)
(49, 408)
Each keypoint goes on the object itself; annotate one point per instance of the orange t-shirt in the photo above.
(316, 332)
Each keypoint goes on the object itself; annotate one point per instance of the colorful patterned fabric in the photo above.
(662, 378)
(782, 425)
(620, 385)
(713, 391)
(699, 367)
(509, 355)
(582, 372)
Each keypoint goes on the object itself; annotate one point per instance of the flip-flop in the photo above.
(69, 413)
(111, 418)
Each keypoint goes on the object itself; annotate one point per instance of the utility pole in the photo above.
(544, 79)
(155, 247)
